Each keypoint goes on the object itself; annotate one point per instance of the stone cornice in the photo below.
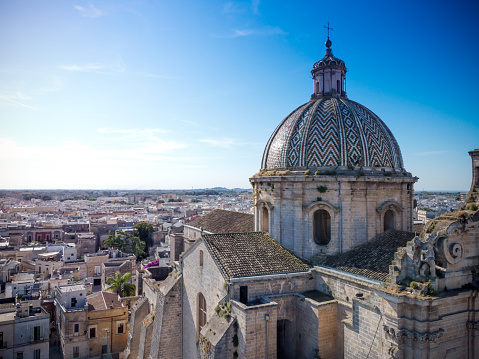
(411, 335)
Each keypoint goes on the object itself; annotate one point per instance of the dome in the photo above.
(334, 132)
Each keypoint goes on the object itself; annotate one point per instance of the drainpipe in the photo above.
(266, 319)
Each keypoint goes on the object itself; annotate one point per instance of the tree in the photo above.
(127, 242)
(117, 241)
(137, 247)
(120, 283)
(145, 232)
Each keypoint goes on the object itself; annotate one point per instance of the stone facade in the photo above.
(110, 325)
(285, 207)
(24, 331)
(205, 279)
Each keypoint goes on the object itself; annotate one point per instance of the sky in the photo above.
(185, 94)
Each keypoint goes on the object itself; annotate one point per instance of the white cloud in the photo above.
(18, 103)
(232, 7)
(165, 77)
(83, 68)
(147, 142)
(56, 84)
(255, 6)
(263, 31)
(128, 145)
(89, 11)
(225, 142)
(114, 65)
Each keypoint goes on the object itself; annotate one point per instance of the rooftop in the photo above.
(221, 221)
(371, 259)
(72, 288)
(251, 254)
(103, 301)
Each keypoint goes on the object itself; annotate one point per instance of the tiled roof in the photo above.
(251, 254)
(221, 221)
(102, 301)
(371, 259)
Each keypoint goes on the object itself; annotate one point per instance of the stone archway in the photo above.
(389, 220)
(322, 227)
(264, 219)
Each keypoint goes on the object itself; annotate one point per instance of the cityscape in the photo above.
(239, 179)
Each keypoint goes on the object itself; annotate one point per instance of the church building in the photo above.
(333, 268)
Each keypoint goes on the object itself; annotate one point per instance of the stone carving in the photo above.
(424, 256)
(393, 352)
(453, 250)
(472, 325)
(403, 334)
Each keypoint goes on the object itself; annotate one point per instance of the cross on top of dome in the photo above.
(328, 42)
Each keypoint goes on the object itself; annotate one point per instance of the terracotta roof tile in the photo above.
(102, 301)
(251, 254)
(371, 259)
(221, 221)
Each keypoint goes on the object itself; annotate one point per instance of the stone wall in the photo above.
(252, 325)
(273, 284)
(197, 278)
(363, 336)
(176, 246)
(166, 333)
(146, 330)
(107, 321)
(356, 205)
(374, 322)
(138, 313)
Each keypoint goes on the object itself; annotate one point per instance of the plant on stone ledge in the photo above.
(205, 347)
(224, 310)
(322, 189)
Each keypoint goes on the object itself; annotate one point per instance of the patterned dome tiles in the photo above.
(331, 132)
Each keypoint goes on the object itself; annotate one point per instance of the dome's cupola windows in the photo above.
(329, 74)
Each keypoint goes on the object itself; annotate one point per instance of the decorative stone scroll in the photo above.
(403, 334)
(453, 250)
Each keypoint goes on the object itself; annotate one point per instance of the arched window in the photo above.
(201, 312)
(338, 86)
(264, 220)
(322, 227)
(388, 220)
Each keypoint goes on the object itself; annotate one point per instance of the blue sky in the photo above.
(182, 94)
